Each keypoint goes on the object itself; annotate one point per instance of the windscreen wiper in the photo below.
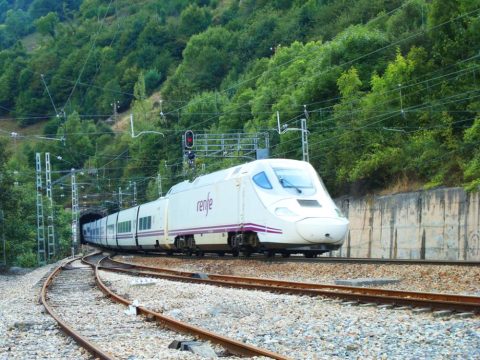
(285, 183)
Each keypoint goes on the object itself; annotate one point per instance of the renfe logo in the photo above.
(205, 205)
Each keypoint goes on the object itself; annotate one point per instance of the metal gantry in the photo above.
(228, 145)
(74, 213)
(304, 130)
(50, 216)
(41, 251)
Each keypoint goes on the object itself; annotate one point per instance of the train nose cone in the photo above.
(322, 229)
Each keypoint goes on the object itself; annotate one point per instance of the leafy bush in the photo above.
(27, 259)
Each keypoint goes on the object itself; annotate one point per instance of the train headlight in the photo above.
(283, 211)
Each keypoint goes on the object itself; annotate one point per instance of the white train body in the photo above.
(271, 205)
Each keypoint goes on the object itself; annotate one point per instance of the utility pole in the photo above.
(115, 110)
(4, 243)
(134, 193)
(42, 259)
(159, 184)
(50, 222)
(74, 213)
(14, 136)
(142, 132)
(284, 128)
(119, 198)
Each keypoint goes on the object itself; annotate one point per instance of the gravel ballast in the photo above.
(304, 327)
(26, 332)
(428, 278)
(296, 326)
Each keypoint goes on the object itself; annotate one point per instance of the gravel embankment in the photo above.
(80, 303)
(429, 278)
(25, 331)
(307, 328)
(299, 327)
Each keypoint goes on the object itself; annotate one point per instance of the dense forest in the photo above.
(390, 91)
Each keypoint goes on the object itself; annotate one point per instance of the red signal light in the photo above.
(189, 139)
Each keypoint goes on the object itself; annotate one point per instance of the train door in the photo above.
(240, 189)
(135, 228)
(167, 241)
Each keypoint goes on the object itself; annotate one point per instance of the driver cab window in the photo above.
(293, 178)
(261, 180)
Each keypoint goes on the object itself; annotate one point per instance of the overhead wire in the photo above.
(88, 54)
(411, 83)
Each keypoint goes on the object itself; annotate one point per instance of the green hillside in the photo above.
(390, 90)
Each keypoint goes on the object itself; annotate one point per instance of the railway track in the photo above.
(101, 327)
(326, 259)
(343, 260)
(433, 301)
(55, 291)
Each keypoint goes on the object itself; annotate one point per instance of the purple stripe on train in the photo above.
(226, 228)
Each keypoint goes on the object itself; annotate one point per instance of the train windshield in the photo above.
(261, 180)
(293, 178)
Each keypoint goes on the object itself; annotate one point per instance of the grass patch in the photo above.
(7, 126)
(32, 42)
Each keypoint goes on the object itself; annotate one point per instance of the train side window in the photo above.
(261, 180)
(145, 223)
(124, 227)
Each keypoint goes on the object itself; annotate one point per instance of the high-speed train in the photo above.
(270, 206)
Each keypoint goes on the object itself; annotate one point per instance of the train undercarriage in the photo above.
(246, 244)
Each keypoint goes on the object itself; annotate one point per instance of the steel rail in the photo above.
(324, 259)
(235, 347)
(91, 347)
(364, 295)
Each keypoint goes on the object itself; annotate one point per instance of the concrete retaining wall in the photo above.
(440, 224)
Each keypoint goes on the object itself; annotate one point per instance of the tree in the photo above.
(4, 6)
(18, 205)
(454, 33)
(17, 23)
(79, 140)
(207, 60)
(202, 111)
(152, 80)
(194, 20)
(46, 25)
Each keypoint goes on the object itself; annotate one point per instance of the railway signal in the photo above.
(189, 139)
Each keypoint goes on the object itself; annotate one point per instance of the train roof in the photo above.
(225, 174)
(206, 179)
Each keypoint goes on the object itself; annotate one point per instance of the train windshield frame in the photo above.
(291, 178)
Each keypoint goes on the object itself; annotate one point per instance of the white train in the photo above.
(270, 206)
